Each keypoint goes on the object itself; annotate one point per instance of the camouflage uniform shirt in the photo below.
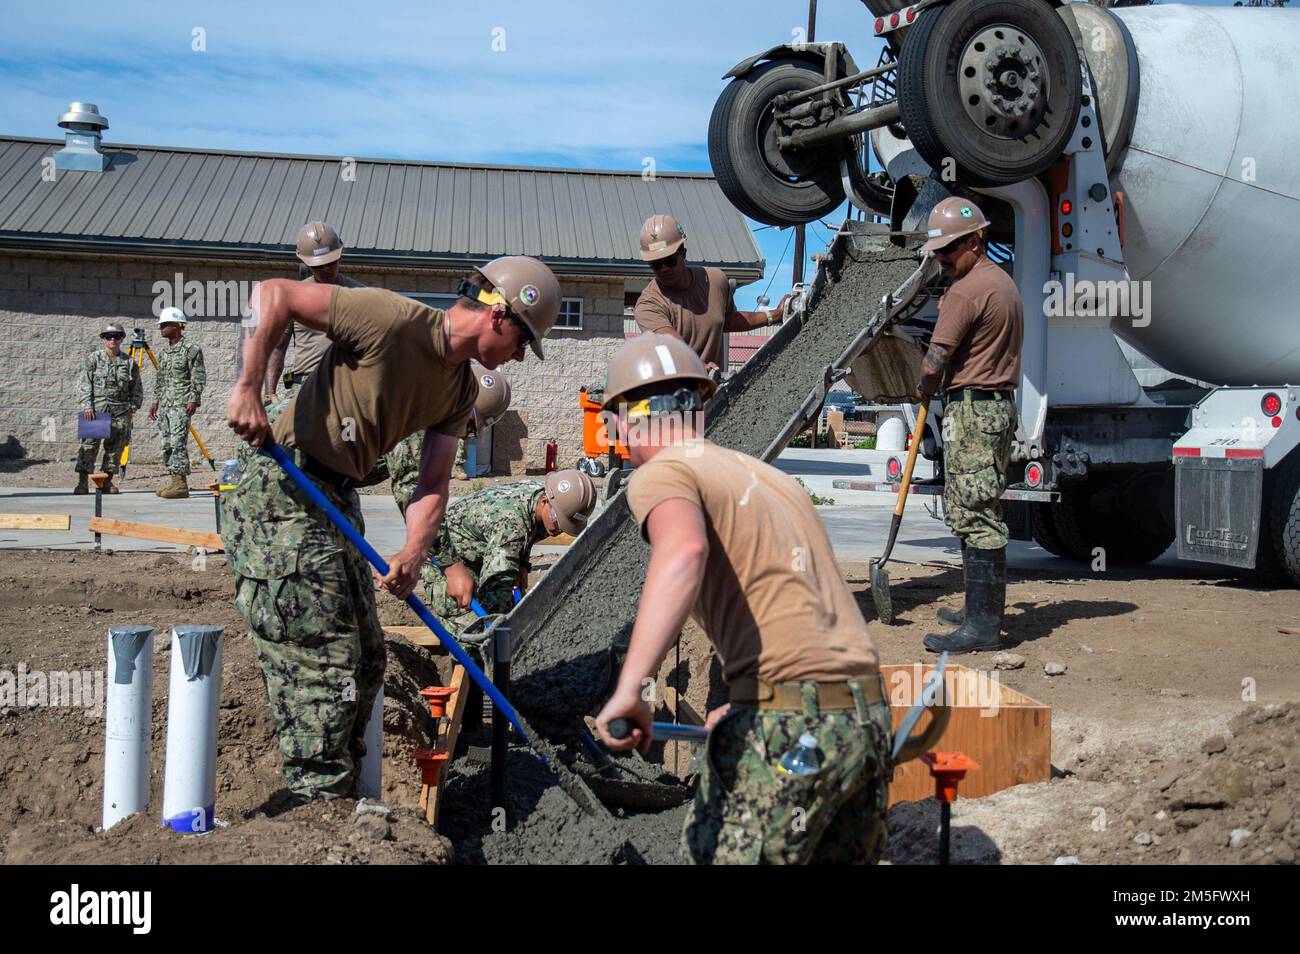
(181, 375)
(109, 384)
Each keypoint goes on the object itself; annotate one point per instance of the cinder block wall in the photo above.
(52, 308)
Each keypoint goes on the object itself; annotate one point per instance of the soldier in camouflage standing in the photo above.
(738, 544)
(974, 359)
(178, 392)
(109, 381)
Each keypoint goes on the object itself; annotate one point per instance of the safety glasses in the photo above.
(114, 336)
(660, 264)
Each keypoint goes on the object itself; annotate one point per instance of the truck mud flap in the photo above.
(1217, 509)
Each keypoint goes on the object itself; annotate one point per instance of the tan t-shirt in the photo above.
(772, 601)
(982, 318)
(384, 376)
(697, 314)
(309, 345)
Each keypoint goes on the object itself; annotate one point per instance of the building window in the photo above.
(570, 314)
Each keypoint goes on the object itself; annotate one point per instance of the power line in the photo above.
(779, 263)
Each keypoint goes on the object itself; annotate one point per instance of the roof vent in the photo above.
(81, 151)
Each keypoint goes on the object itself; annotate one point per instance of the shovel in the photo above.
(879, 575)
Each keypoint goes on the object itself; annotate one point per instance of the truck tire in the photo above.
(763, 182)
(1284, 523)
(1104, 512)
(989, 134)
(1043, 529)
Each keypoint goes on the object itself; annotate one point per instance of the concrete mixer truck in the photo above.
(1139, 167)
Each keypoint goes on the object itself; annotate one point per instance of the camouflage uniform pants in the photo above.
(977, 439)
(748, 811)
(119, 436)
(309, 599)
(174, 435)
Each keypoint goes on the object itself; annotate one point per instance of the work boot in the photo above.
(83, 483)
(955, 617)
(175, 488)
(986, 594)
(110, 487)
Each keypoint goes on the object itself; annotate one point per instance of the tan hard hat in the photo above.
(951, 219)
(661, 236)
(113, 327)
(650, 358)
(493, 396)
(319, 244)
(531, 291)
(573, 495)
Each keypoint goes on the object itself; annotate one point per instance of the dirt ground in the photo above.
(1174, 724)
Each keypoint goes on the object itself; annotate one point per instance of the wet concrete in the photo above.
(568, 623)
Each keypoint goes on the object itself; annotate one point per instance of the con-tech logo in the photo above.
(77, 907)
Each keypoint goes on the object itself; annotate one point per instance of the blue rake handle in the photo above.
(281, 457)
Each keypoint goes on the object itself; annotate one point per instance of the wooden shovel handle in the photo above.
(917, 434)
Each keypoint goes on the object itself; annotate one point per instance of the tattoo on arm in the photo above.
(933, 368)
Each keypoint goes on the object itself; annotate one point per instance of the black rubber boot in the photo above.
(986, 594)
(955, 617)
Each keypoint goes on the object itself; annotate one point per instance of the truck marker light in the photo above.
(1066, 206)
(880, 24)
(1067, 229)
(1271, 404)
(1034, 475)
(911, 14)
(1277, 422)
(893, 19)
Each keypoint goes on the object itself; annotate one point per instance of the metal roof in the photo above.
(161, 201)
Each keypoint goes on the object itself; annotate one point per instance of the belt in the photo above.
(977, 394)
(752, 691)
(326, 475)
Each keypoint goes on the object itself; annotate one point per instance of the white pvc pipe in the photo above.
(370, 778)
(128, 716)
(190, 774)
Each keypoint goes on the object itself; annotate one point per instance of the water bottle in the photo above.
(803, 759)
(230, 474)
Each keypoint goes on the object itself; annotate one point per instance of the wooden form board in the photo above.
(35, 521)
(152, 531)
(448, 733)
(419, 635)
(1008, 733)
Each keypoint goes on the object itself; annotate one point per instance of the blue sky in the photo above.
(578, 83)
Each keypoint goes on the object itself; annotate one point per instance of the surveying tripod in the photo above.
(137, 350)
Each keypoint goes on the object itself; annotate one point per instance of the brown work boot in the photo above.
(83, 483)
(110, 487)
(175, 489)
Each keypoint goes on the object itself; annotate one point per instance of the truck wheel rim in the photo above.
(1002, 81)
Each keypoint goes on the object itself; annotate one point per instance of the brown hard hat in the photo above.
(531, 291)
(493, 396)
(573, 495)
(952, 218)
(661, 236)
(650, 358)
(319, 244)
(113, 327)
